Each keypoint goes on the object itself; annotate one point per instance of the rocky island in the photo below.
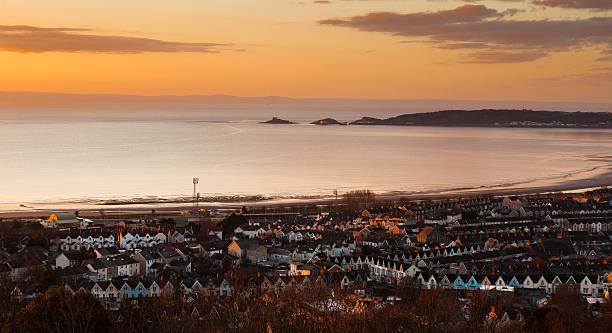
(327, 121)
(277, 121)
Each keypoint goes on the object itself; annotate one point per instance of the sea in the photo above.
(66, 157)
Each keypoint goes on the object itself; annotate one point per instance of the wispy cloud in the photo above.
(492, 56)
(479, 27)
(606, 55)
(30, 39)
(576, 4)
(597, 5)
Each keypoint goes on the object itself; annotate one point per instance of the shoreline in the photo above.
(579, 181)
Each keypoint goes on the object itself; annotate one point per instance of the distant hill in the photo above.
(497, 118)
(37, 99)
(327, 121)
(368, 121)
(275, 120)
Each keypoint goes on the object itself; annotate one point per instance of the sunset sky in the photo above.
(558, 50)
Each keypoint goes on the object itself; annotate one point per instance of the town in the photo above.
(476, 264)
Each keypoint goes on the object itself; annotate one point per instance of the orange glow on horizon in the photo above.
(278, 48)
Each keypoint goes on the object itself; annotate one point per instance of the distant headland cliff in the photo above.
(481, 118)
(497, 118)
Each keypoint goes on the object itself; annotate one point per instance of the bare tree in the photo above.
(359, 199)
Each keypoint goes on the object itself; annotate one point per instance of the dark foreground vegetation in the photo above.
(315, 310)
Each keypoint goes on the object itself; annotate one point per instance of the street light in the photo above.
(195, 182)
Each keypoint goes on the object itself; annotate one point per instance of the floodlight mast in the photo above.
(195, 194)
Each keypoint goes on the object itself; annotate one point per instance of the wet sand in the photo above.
(577, 182)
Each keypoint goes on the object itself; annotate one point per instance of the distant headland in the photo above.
(497, 118)
(90, 102)
(278, 121)
(481, 118)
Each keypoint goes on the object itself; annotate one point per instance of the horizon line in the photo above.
(16, 98)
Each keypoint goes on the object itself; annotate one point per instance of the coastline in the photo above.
(576, 182)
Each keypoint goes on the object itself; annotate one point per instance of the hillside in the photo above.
(327, 121)
(497, 118)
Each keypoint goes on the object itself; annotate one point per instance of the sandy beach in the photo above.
(577, 182)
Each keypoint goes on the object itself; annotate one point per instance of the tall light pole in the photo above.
(195, 183)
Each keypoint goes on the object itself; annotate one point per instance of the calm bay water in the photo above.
(64, 158)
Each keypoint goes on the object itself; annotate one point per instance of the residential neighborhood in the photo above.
(523, 248)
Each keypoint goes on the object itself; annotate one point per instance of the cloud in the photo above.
(29, 39)
(476, 26)
(484, 0)
(598, 5)
(606, 55)
(418, 23)
(492, 56)
(576, 4)
(598, 76)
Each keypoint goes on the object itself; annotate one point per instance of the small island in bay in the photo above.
(497, 118)
(277, 121)
(327, 121)
(367, 121)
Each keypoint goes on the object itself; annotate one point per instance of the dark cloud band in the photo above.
(36, 40)
(479, 27)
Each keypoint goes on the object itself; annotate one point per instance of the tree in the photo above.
(8, 304)
(359, 199)
(408, 289)
(45, 277)
(59, 310)
(232, 222)
(570, 311)
(168, 222)
(567, 311)
(436, 308)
